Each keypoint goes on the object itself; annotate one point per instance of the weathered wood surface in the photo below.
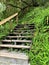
(25, 41)
(7, 19)
(14, 46)
(19, 36)
(12, 55)
(15, 33)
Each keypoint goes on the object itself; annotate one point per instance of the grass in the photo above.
(36, 15)
(39, 53)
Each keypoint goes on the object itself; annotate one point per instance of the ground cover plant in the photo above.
(39, 52)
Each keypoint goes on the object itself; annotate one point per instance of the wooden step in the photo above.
(13, 55)
(25, 27)
(22, 33)
(20, 25)
(14, 46)
(19, 37)
(24, 30)
(25, 41)
(26, 24)
(30, 24)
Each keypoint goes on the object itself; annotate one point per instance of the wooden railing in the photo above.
(9, 18)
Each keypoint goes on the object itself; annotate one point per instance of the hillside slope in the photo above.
(39, 53)
(35, 15)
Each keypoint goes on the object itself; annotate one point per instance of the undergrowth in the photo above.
(36, 16)
(39, 52)
(6, 28)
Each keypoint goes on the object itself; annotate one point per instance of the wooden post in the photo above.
(47, 20)
(10, 24)
(17, 19)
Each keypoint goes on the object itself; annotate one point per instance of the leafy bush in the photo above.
(2, 8)
(36, 16)
(6, 28)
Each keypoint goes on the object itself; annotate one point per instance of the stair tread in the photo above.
(20, 33)
(29, 41)
(19, 36)
(14, 46)
(13, 55)
(23, 30)
(26, 24)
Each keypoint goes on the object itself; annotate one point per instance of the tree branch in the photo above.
(14, 6)
(26, 3)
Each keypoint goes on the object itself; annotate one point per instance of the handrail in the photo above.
(7, 19)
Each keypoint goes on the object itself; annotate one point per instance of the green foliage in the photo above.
(39, 53)
(10, 10)
(6, 28)
(2, 8)
(36, 16)
(41, 2)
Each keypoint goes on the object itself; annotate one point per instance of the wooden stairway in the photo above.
(19, 38)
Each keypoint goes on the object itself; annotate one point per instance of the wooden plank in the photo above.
(7, 19)
(19, 37)
(23, 26)
(26, 24)
(24, 30)
(25, 41)
(14, 46)
(13, 55)
(30, 24)
(21, 33)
